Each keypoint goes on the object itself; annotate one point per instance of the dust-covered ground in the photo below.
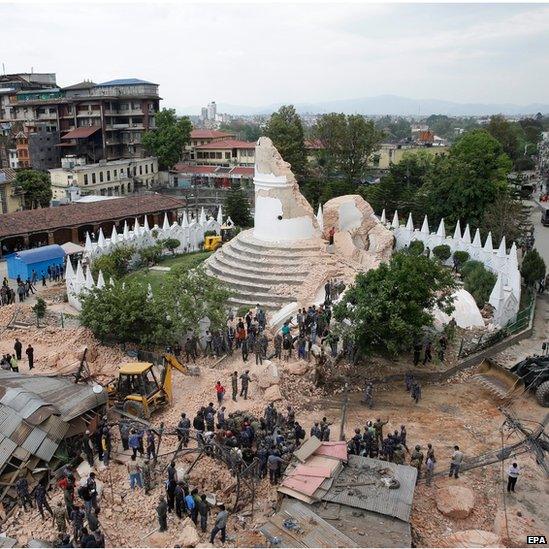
(455, 412)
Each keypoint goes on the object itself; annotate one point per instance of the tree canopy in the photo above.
(533, 267)
(389, 307)
(126, 313)
(348, 143)
(237, 206)
(286, 132)
(167, 141)
(35, 186)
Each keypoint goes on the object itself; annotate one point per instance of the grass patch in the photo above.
(156, 278)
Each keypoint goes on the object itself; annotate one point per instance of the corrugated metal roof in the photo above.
(56, 428)
(21, 433)
(349, 488)
(69, 399)
(33, 441)
(6, 449)
(47, 449)
(311, 530)
(8, 420)
(307, 448)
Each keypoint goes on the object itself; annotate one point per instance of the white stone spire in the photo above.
(410, 223)
(441, 229)
(502, 250)
(88, 246)
(425, 226)
(513, 258)
(488, 246)
(101, 238)
(100, 280)
(69, 271)
(466, 235)
(126, 232)
(383, 217)
(202, 218)
(166, 223)
(146, 227)
(457, 231)
(395, 224)
(136, 227)
(114, 235)
(89, 283)
(220, 215)
(496, 293)
(184, 220)
(476, 241)
(80, 279)
(320, 217)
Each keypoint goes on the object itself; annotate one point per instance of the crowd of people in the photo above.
(25, 287)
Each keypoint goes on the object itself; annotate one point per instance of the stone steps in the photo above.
(246, 238)
(220, 266)
(255, 251)
(259, 262)
(237, 302)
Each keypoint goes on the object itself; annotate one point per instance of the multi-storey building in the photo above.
(226, 152)
(98, 121)
(114, 178)
(10, 201)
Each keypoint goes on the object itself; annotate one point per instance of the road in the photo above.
(541, 233)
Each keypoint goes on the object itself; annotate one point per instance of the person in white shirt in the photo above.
(512, 476)
(455, 464)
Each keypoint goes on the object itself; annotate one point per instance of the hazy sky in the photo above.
(257, 54)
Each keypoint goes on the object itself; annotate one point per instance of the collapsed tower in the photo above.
(284, 262)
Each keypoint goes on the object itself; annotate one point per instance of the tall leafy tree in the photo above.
(506, 133)
(389, 307)
(167, 141)
(286, 132)
(507, 216)
(237, 206)
(463, 184)
(348, 143)
(533, 267)
(35, 186)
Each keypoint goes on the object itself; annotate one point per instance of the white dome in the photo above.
(466, 312)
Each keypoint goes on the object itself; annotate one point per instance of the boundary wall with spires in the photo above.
(190, 235)
(505, 296)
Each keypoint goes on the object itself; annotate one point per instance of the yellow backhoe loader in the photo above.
(142, 387)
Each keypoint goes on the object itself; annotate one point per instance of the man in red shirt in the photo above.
(220, 390)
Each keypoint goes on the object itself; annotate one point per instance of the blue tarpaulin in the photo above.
(38, 260)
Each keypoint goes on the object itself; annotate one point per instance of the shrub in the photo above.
(114, 264)
(460, 258)
(533, 267)
(151, 254)
(478, 281)
(442, 252)
(209, 233)
(171, 244)
(416, 247)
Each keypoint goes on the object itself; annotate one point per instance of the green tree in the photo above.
(533, 267)
(39, 309)
(286, 132)
(506, 133)
(248, 131)
(172, 244)
(389, 307)
(460, 186)
(126, 313)
(167, 141)
(237, 206)
(507, 216)
(348, 142)
(478, 281)
(114, 264)
(35, 186)
(442, 252)
(151, 255)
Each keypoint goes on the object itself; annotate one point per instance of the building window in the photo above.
(115, 173)
(146, 168)
(134, 170)
(218, 155)
(101, 177)
(128, 171)
(227, 156)
(85, 179)
(140, 170)
(93, 178)
(152, 168)
(108, 175)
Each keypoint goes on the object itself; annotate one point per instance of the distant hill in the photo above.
(388, 104)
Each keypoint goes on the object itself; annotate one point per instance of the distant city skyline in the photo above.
(263, 54)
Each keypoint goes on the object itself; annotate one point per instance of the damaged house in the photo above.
(41, 420)
(330, 499)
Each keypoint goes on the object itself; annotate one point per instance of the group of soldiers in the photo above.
(76, 525)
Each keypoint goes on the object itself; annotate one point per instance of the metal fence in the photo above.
(484, 341)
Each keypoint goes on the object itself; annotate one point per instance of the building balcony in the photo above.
(117, 126)
(87, 114)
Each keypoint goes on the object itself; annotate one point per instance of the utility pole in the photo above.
(343, 418)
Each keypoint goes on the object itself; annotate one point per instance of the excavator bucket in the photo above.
(497, 380)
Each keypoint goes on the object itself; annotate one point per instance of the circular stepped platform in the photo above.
(258, 272)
